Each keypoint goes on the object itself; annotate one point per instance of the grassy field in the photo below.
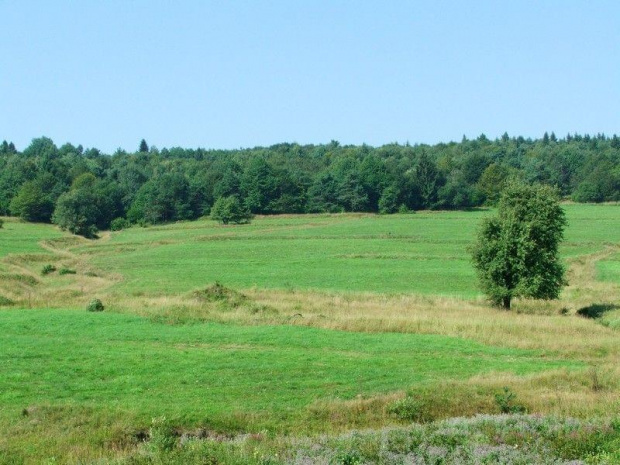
(352, 253)
(323, 323)
(420, 253)
(132, 363)
(609, 269)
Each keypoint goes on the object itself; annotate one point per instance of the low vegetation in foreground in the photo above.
(483, 439)
(303, 339)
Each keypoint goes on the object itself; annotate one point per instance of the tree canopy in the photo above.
(153, 186)
(230, 210)
(516, 252)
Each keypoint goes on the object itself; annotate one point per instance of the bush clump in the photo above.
(5, 301)
(64, 270)
(506, 401)
(225, 299)
(95, 305)
(1, 223)
(119, 224)
(47, 269)
(407, 409)
(230, 210)
(162, 436)
(403, 209)
(217, 292)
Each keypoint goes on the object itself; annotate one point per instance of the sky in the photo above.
(232, 74)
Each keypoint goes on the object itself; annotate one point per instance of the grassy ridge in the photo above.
(18, 237)
(421, 253)
(367, 253)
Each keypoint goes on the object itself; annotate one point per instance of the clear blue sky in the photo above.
(231, 74)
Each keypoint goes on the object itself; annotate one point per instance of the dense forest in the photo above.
(84, 190)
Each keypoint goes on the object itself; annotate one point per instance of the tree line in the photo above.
(85, 190)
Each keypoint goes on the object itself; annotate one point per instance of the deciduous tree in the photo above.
(516, 252)
(230, 210)
(76, 211)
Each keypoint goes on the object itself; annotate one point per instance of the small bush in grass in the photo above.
(347, 458)
(162, 435)
(95, 305)
(404, 209)
(407, 409)
(5, 301)
(65, 270)
(47, 269)
(230, 210)
(222, 294)
(119, 224)
(1, 223)
(506, 401)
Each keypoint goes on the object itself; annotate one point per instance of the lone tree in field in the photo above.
(516, 252)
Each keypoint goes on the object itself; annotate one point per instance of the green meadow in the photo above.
(21, 238)
(323, 323)
(131, 363)
(423, 253)
(412, 253)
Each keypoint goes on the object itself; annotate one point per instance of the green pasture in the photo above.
(114, 361)
(609, 269)
(62, 372)
(17, 237)
(425, 252)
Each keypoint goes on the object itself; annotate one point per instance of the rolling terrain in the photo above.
(292, 325)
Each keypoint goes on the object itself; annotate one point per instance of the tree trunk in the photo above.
(506, 303)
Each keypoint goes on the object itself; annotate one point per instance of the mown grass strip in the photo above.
(127, 362)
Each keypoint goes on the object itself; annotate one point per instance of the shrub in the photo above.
(5, 301)
(1, 223)
(119, 224)
(229, 210)
(223, 297)
(217, 292)
(347, 458)
(65, 270)
(162, 436)
(588, 191)
(506, 401)
(95, 305)
(407, 409)
(404, 209)
(47, 269)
